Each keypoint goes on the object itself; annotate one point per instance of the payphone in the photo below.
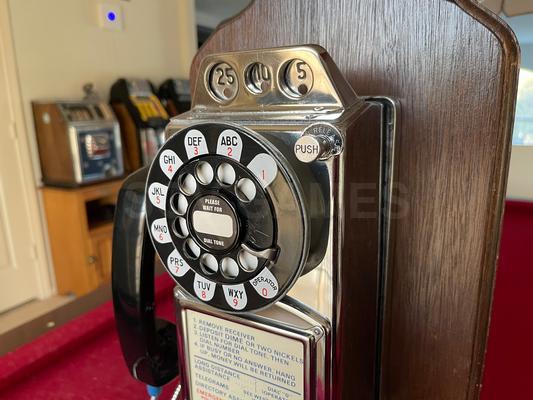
(142, 120)
(254, 206)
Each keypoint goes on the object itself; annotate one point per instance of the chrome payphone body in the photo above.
(269, 205)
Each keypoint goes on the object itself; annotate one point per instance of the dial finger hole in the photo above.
(187, 184)
(204, 173)
(229, 268)
(209, 264)
(248, 261)
(192, 250)
(179, 204)
(245, 190)
(180, 227)
(226, 174)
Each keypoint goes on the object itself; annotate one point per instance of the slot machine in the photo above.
(254, 206)
(79, 142)
(175, 94)
(142, 120)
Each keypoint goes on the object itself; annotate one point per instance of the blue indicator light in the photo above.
(111, 16)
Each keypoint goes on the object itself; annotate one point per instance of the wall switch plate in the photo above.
(110, 16)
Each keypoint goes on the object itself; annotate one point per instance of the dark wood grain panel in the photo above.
(453, 68)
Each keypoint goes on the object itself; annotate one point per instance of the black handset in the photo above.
(148, 343)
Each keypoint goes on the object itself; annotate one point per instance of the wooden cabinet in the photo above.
(80, 229)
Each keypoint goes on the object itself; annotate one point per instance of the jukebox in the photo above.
(142, 120)
(253, 206)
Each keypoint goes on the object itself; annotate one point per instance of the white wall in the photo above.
(520, 184)
(59, 47)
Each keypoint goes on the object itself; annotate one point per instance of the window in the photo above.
(523, 129)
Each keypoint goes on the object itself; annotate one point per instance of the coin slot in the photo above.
(258, 78)
(229, 268)
(204, 173)
(222, 82)
(245, 190)
(248, 261)
(296, 79)
(226, 174)
(187, 184)
(179, 204)
(209, 264)
(180, 228)
(191, 249)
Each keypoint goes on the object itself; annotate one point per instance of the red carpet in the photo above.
(82, 360)
(508, 369)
